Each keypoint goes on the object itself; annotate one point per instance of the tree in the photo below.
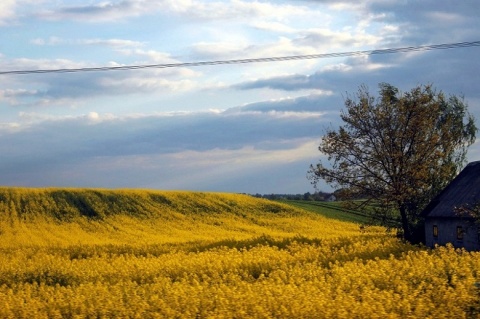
(307, 196)
(397, 151)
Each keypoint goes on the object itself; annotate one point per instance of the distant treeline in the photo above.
(317, 196)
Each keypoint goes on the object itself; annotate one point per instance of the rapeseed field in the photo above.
(74, 253)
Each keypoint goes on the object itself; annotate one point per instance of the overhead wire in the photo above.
(252, 60)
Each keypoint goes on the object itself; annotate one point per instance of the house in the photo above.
(331, 198)
(444, 223)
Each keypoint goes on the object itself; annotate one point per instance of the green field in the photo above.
(89, 253)
(334, 210)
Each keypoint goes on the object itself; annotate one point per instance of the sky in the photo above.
(246, 128)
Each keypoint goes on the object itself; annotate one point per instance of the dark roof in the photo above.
(463, 190)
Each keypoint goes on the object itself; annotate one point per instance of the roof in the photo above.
(462, 190)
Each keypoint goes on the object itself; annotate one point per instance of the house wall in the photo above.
(447, 233)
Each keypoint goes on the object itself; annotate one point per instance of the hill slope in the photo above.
(68, 253)
(54, 216)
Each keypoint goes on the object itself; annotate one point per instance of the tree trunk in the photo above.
(407, 232)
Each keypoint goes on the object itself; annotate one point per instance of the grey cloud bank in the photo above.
(154, 146)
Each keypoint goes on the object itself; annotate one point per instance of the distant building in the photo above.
(331, 198)
(443, 223)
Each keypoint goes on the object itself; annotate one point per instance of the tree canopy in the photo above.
(397, 150)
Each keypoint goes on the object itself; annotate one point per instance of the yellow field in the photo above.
(142, 254)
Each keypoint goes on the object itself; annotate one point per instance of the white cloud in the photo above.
(7, 10)
(233, 9)
(151, 55)
(273, 26)
(93, 116)
(41, 64)
(295, 42)
(50, 41)
(115, 43)
(137, 84)
(11, 95)
(70, 88)
(111, 11)
(328, 39)
(221, 50)
(100, 12)
(297, 150)
(346, 5)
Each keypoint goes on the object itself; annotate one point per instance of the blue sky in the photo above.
(250, 128)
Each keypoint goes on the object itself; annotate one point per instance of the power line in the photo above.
(257, 60)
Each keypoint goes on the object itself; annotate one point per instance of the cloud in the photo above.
(50, 41)
(115, 10)
(403, 70)
(292, 42)
(427, 22)
(245, 169)
(99, 12)
(7, 10)
(292, 82)
(56, 88)
(234, 9)
(411, 23)
(313, 105)
(37, 64)
(115, 43)
(330, 39)
(273, 26)
(53, 89)
(163, 133)
(150, 56)
(51, 149)
(242, 170)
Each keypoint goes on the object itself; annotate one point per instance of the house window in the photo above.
(460, 233)
(435, 231)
